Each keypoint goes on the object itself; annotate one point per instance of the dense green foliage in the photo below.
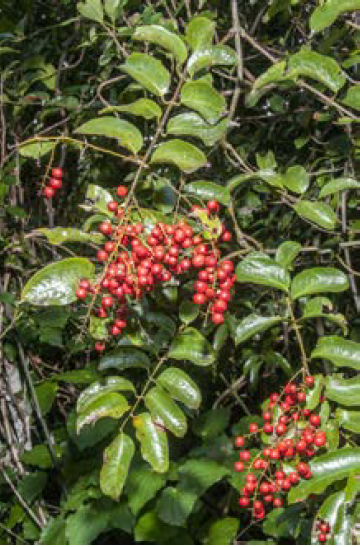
(255, 105)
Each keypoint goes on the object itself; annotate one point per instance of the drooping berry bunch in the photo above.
(137, 260)
(54, 184)
(293, 438)
(323, 529)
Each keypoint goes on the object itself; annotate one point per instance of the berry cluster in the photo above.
(293, 435)
(54, 184)
(136, 261)
(323, 529)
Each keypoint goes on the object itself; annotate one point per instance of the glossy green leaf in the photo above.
(204, 98)
(211, 423)
(341, 352)
(164, 38)
(251, 325)
(55, 285)
(326, 469)
(348, 419)
(222, 531)
(211, 56)
(59, 235)
(141, 486)
(207, 190)
(114, 471)
(318, 67)
(317, 212)
(180, 386)
(190, 123)
(275, 73)
(148, 72)
(318, 280)
(97, 199)
(276, 360)
(329, 510)
(146, 108)
(185, 156)
(113, 8)
(191, 345)
(122, 358)
(188, 311)
(36, 150)
(127, 134)
(296, 179)
(108, 385)
(315, 308)
(91, 9)
(342, 391)
(153, 442)
(314, 393)
(338, 185)
(328, 11)
(165, 412)
(352, 97)
(200, 32)
(258, 268)
(105, 405)
(287, 252)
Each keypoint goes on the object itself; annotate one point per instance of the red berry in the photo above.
(274, 454)
(277, 502)
(239, 441)
(122, 191)
(281, 429)
(253, 428)
(199, 299)
(244, 502)
(219, 306)
(217, 318)
(315, 420)
(309, 380)
(213, 206)
(301, 446)
(274, 397)
(105, 228)
(107, 302)
(320, 439)
(324, 527)
(227, 236)
(81, 293)
(48, 192)
(301, 397)
(84, 284)
(302, 468)
(245, 455)
(239, 466)
(268, 429)
(293, 477)
(55, 183)
(112, 206)
(267, 416)
(322, 538)
(57, 172)
(99, 346)
(102, 256)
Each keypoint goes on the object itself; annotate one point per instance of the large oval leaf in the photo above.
(165, 412)
(180, 386)
(142, 485)
(250, 325)
(296, 179)
(319, 67)
(318, 280)
(153, 442)
(207, 190)
(192, 124)
(124, 358)
(114, 471)
(319, 213)
(59, 235)
(36, 150)
(200, 32)
(338, 185)
(184, 155)
(341, 352)
(348, 419)
(260, 269)
(211, 56)
(110, 384)
(104, 405)
(128, 134)
(345, 392)
(203, 97)
(326, 13)
(149, 72)
(191, 345)
(146, 108)
(287, 252)
(55, 285)
(91, 9)
(164, 38)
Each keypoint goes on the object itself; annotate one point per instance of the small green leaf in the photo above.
(91, 9)
(191, 345)
(211, 423)
(98, 327)
(113, 9)
(164, 38)
(108, 385)
(258, 268)
(104, 405)
(36, 150)
(59, 235)
(222, 531)
(55, 285)
(190, 123)
(338, 185)
(348, 419)
(114, 471)
(39, 455)
(207, 190)
(128, 134)
(318, 280)
(180, 386)
(149, 72)
(341, 352)
(185, 156)
(46, 394)
(251, 325)
(328, 11)
(287, 252)
(211, 56)
(122, 358)
(142, 485)
(204, 98)
(352, 97)
(314, 308)
(146, 108)
(342, 391)
(153, 442)
(188, 311)
(165, 412)
(200, 32)
(296, 179)
(276, 73)
(99, 198)
(319, 213)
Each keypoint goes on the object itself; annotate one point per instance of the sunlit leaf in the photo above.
(153, 442)
(114, 471)
(149, 72)
(164, 38)
(319, 213)
(318, 280)
(204, 98)
(341, 352)
(185, 156)
(258, 268)
(127, 134)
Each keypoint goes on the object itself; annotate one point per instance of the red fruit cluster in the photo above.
(136, 261)
(54, 184)
(295, 438)
(323, 529)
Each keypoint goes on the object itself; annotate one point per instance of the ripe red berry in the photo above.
(301, 446)
(107, 302)
(48, 192)
(57, 172)
(122, 191)
(239, 466)
(281, 429)
(227, 236)
(268, 428)
(301, 397)
(277, 502)
(267, 416)
(213, 206)
(55, 183)
(274, 454)
(324, 527)
(199, 299)
(309, 380)
(302, 468)
(322, 538)
(112, 206)
(99, 346)
(320, 439)
(315, 420)
(239, 441)
(105, 228)
(81, 293)
(245, 455)
(244, 502)
(253, 428)
(217, 318)
(274, 397)
(293, 477)
(102, 256)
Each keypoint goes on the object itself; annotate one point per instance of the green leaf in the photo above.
(338, 185)
(91, 9)
(108, 385)
(164, 38)
(165, 412)
(287, 252)
(142, 485)
(326, 469)
(318, 280)
(341, 352)
(99, 198)
(122, 358)
(188, 311)
(39, 456)
(113, 8)
(313, 396)
(153, 442)
(211, 56)
(55, 285)
(59, 235)
(105, 405)
(180, 386)
(146, 108)
(204, 98)
(200, 32)
(98, 327)
(352, 97)
(258, 268)
(149, 529)
(31, 485)
(348, 419)
(191, 345)
(83, 376)
(54, 532)
(192, 124)
(296, 179)
(275, 73)
(330, 510)
(206, 190)
(314, 308)
(318, 67)
(211, 423)
(127, 134)
(328, 11)
(319, 213)
(222, 531)
(185, 156)
(250, 325)
(345, 392)
(148, 72)
(36, 150)
(114, 471)
(46, 394)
